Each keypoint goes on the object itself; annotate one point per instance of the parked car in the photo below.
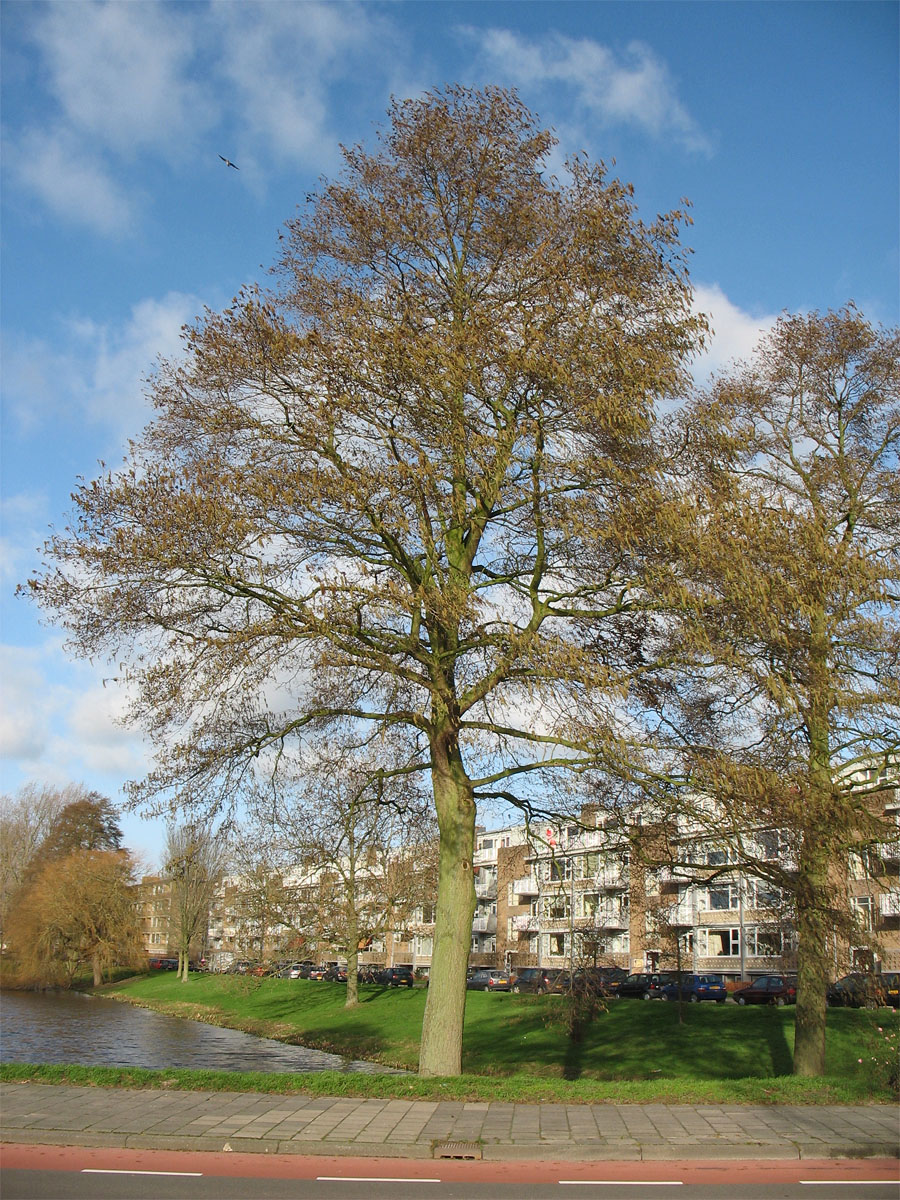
(859, 990)
(695, 988)
(367, 974)
(769, 989)
(317, 972)
(890, 981)
(336, 974)
(540, 979)
(396, 977)
(488, 980)
(642, 985)
(601, 981)
(163, 964)
(241, 966)
(301, 970)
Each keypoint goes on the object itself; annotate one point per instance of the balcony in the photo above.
(561, 921)
(526, 886)
(486, 890)
(677, 914)
(607, 916)
(611, 877)
(524, 922)
(485, 924)
(889, 904)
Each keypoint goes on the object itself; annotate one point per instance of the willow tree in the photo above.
(382, 491)
(794, 708)
(77, 910)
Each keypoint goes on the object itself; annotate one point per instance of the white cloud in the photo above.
(121, 74)
(119, 359)
(93, 723)
(27, 705)
(59, 723)
(281, 62)
(69, 178)
(23, 520)
(631, 88)
(734, 333)
(99, 370)
(120, 77)
(125, 82)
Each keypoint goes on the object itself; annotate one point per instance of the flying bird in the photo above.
(228, 162)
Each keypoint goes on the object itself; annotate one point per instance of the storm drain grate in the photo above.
(470, 1150)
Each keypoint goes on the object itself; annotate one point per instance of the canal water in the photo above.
(70, 1027)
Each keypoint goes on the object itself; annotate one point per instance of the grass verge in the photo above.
(516, 1047)
(511, 1089)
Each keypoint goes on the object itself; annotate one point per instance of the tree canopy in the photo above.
(76, 911)
(405, 488)
(793, 699)
(25, 820)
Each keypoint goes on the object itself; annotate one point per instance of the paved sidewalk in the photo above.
(244, 1121)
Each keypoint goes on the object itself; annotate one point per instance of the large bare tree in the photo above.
(354, 844)
(194, 860)
(26, 818)
(407, 488)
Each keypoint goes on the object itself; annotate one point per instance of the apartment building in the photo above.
(152, 900)
(577, 893)
(588, 892)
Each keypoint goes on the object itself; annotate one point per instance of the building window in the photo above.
(557, 944)
(722, 943)
(763, 894)
(861, 908)
(762, 942)
(771, 846)
(588, 866)
(559, 869)
(723, 897)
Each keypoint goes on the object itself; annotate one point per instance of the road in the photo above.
(58, 1173)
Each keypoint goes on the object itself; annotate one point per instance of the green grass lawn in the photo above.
(517, 1047)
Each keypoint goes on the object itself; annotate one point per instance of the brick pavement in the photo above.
(171, 1120)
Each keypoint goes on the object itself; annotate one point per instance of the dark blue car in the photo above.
(696, 988)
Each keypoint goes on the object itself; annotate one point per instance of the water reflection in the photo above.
(68, 1027)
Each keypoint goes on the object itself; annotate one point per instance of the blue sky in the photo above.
(778, 121)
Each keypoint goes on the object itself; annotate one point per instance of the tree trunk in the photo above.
(812, 959)
(352, 955)
(442, 1027)
(98, 973)
(813, 865)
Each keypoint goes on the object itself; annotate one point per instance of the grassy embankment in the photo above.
(516, 1047)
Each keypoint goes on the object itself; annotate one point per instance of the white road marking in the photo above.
(623, 1182)
(844, 1182)
(369, 1179)
(101, 1171)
